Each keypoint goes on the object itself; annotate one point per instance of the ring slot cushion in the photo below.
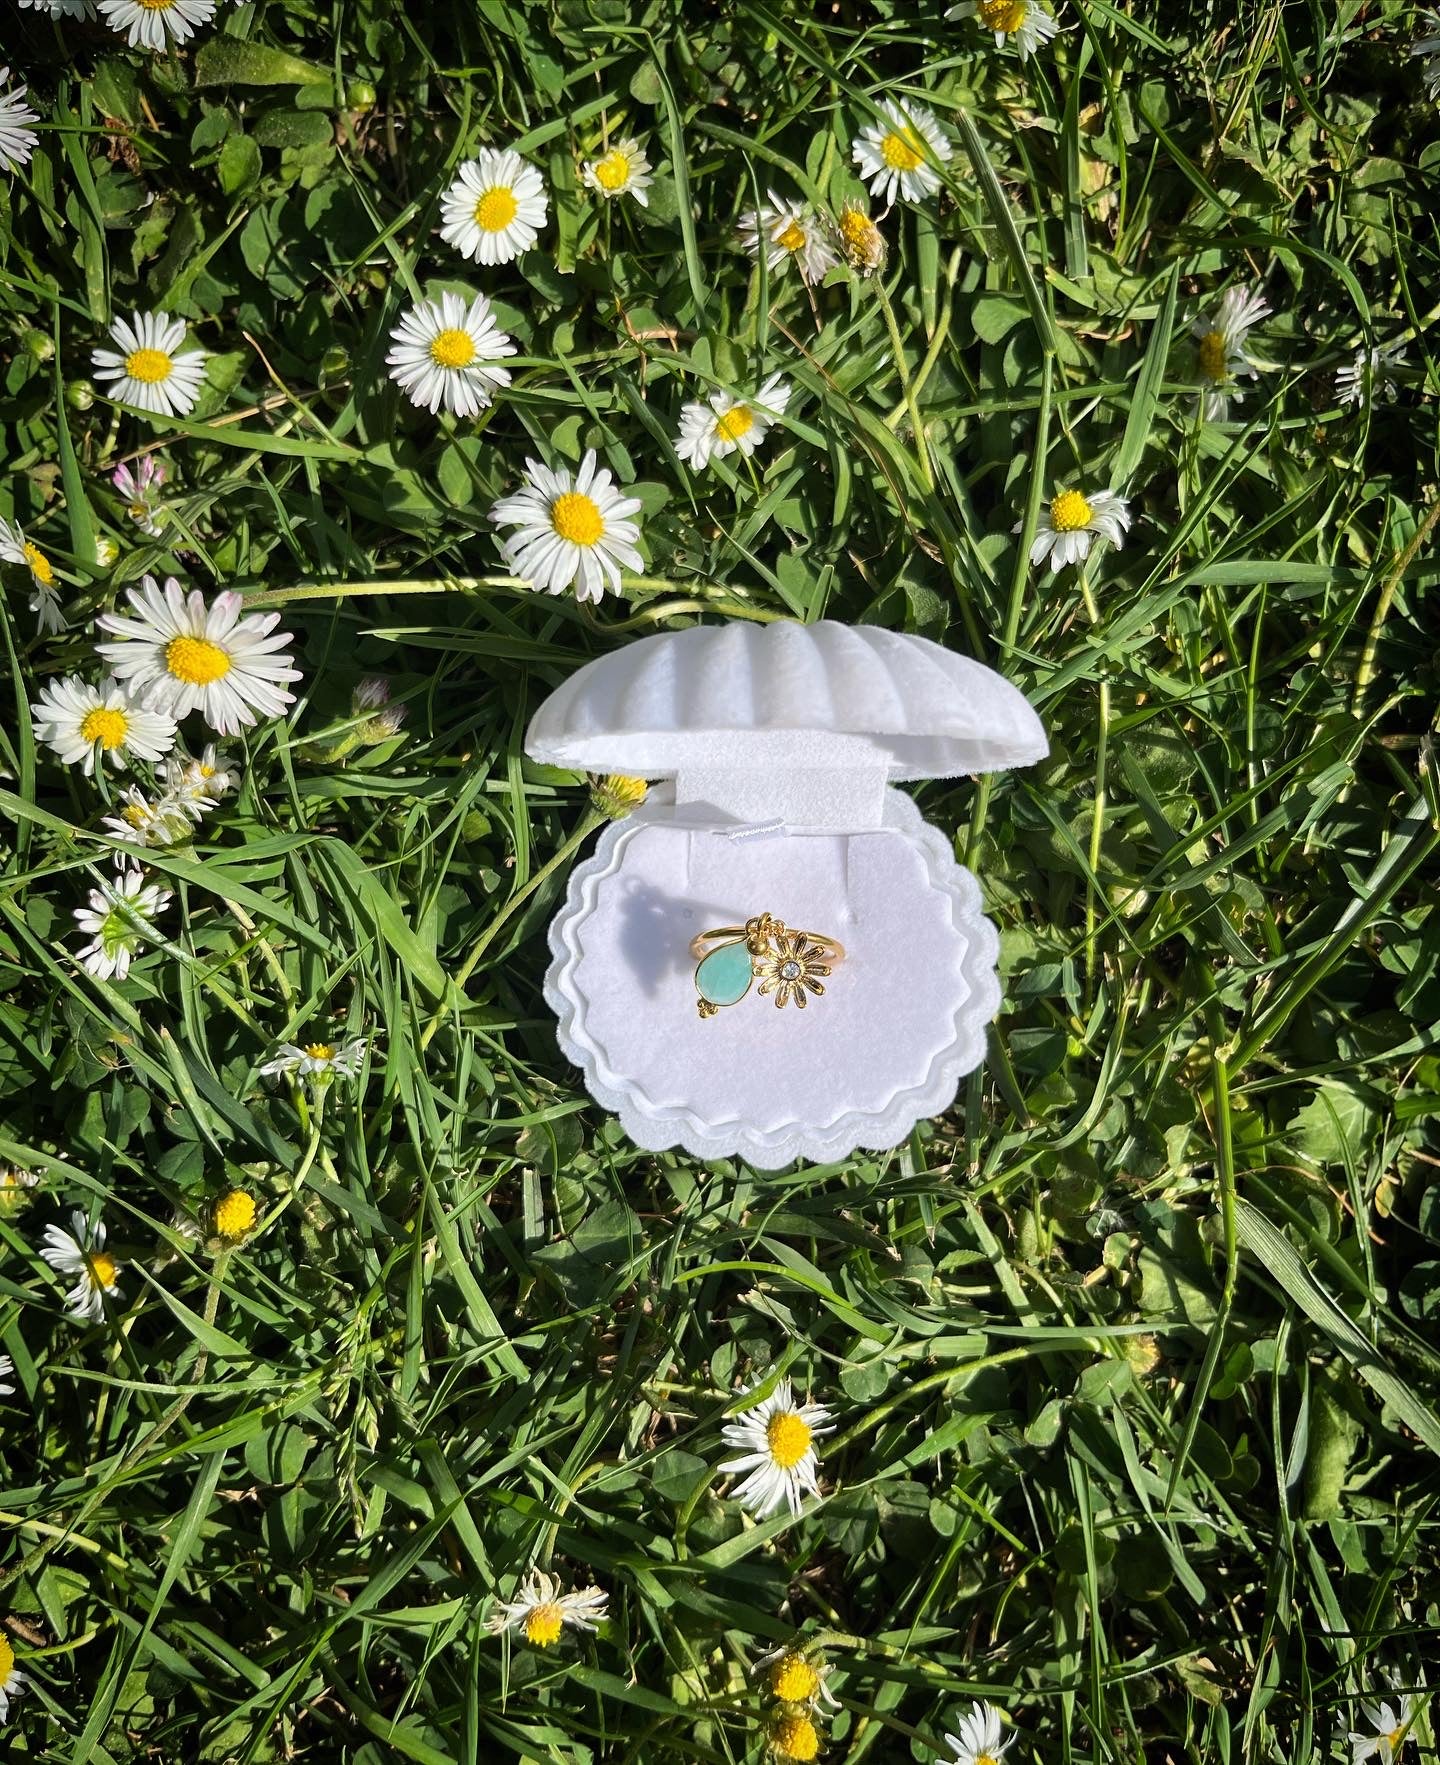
(778, 748)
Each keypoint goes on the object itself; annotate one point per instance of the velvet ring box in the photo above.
(778, 748)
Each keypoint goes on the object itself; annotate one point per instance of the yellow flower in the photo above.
(234, 1213)
(615, 794)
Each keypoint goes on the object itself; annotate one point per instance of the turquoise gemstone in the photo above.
(724, 976)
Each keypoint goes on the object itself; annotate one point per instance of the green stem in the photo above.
(897, 347)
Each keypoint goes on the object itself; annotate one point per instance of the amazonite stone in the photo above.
(724, 977)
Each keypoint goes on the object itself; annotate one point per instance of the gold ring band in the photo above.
(789, 964)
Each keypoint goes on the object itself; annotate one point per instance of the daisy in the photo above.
(183, 656)
(1069, 525)
(45, 600)
(81, 1252)
(136, 488)
(778, 1438)
(60, 8)
(319, 1060)
(119, 919)
(1427, 47)
(1025, 23)
(791, 234)
(198, 785)
(152, 24)
(17, 138)
(979, 1740)
(793, 1735)
(616, 794)
(542, 1611)
(15, 1187)
(12, 1681)
(165, 822)
(718, 425)
(796, 1676)
(234, 1213)
(1371, 375)
(862, 244)
(622, 171)
(1222, 352)
(899, 153)
(1391, 1722)
(571, 529)
(7, 1367)
(150, 370)
(79, 720)
(446, 353)
(495, 208)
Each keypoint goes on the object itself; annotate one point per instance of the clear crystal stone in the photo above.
(790, 971)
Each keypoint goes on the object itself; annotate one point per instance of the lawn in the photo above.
(397, 1349)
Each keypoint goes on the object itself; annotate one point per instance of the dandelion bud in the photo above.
(615, 795)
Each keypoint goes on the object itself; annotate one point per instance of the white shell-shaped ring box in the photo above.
(784, 743)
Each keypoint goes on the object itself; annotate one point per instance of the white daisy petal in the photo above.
(1024, 23)
(17, 138)
(1070, 523)
(155, 24)
(622, 170)
(721, 424)
(570, 530)
(321, 1061)
(791, 234)
(79, 720)
(541, 1611)
(446, 353)
(44, 598)
(777, 1441)
(495, 208)
(150, 370)
(897, 155)
(81, 1252)
(978, 1740)
(119, 919)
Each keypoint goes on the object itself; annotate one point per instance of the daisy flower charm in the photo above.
(898, 154)
(721, 424)
(541, 1611)
(446, 353)
(184, 656)
(777, 1440)
(570, 529)
(80, 721)
(155, 24)
(790, 234)
(149, 369)
(1072, 522)
(979, 1740)
(495, 208)
(81, 1252)
(1025, 23)
(1221, 350)
(623, 170)
(17, 138)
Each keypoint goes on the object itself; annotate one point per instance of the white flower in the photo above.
(1222, 351)
(720, 424)
(44, 598)
(495, 208)
(542, 1611)
(15, 1187)
(1023, 22)
(183, 656)
(17, 138)
(899, 153)
(796, 1674)
(1391, 1722)
(60, 8)
(7, 1367)
(571, 529)
(1427, 47)
(137, 487)
(12, 1681)
(1371, 375)
(150, 370)
(861, 242)
(78, 720)
(979, 1741)
(119, 919)
(151, 24)
(1069, 525)
(81, 1252)
(446, 353)
(198, 785)
(791, 234)
(165, 822)
(623, 170)
(318, 1060)
(777, 1437)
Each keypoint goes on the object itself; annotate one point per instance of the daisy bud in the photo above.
(370, 695)
(15, 1190)
(79, 395)
(384, 724)
(615, 795)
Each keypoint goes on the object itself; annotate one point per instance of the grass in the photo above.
(1132, 1353)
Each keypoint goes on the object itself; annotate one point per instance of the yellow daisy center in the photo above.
(196, 660)
(788, 1439)
(738, 420)
(543, 1624)
(496, 209)
(791, 236)
(453, 349)
(137, 814)
(985, 1759)
(577, 517)
(901, 151)
(1395, 1737)
(1070, 512)
(102, 1268)
(40, 566)
(1004, 16)
(856, 229)
(1212, 355)
(109, 728)
(7, 1661)
(795, 1738)
(148, 366)
(157, 5)
(234, 1214)
(613, 172)
(320, 1050)
(793, 1680)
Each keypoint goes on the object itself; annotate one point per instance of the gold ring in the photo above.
(789, 963)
